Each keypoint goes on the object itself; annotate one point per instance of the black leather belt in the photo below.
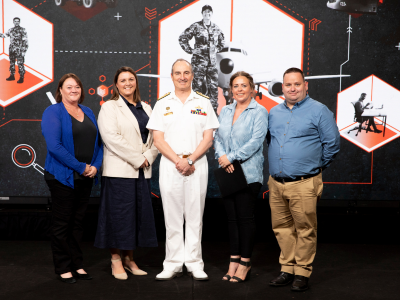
(288, 179)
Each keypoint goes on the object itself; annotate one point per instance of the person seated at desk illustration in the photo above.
(359, 107)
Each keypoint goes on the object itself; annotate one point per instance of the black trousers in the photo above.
(69, 208)
(242, 227)
(371, 122)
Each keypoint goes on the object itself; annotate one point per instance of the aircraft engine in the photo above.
(226, 65)
(275, 88)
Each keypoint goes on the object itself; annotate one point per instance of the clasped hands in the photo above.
(90, 171)
(183, 167)
(145, 164)
(226, 164)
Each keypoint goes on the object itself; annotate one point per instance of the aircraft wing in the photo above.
(325, 76)
(260, 78)
(151, 75)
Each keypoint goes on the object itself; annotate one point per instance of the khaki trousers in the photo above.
(294, 222)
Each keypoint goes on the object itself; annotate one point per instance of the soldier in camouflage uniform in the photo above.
(209, 40)
(17, 50)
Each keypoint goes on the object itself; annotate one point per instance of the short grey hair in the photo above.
(179, 60)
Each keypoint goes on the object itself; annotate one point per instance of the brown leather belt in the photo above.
(288, 179)
(185, 156)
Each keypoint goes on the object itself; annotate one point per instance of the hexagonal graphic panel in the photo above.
(255, 33)
(38, 58)
(367, 113)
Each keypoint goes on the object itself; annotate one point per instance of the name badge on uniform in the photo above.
(198, 111)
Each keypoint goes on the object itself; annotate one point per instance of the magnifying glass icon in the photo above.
(24, 156)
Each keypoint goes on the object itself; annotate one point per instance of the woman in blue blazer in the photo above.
(74, 156)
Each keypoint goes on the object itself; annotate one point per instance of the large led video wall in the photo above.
(347, 49)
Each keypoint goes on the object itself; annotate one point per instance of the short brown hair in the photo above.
(244, 74)
(136, 93)
(61, 82)
(294, 70)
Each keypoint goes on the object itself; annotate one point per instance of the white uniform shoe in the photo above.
(168, 275)
(198, 275)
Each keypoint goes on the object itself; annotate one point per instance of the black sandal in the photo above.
(246, 264)
(235, 260)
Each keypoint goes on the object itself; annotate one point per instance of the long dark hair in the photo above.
(136, 93)
(61, 82)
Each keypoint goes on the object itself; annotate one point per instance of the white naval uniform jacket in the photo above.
(183, 124)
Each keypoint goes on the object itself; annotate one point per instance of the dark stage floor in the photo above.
(342, 271)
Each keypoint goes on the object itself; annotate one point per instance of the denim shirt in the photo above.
(301, 140)
(243, 141)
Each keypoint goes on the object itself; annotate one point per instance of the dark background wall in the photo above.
(373, 51)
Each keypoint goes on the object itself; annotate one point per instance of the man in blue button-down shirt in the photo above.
(303, 140)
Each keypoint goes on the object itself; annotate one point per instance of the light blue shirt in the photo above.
(243, 141)
(301, 140)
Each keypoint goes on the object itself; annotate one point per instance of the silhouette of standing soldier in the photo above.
(17, 50)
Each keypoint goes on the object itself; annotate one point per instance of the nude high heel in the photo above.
(121, 276)
(134, 272)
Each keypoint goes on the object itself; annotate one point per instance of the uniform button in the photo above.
(288, 122)
(291, 112)
(280, 159)
(281, 146)
(280, 172)
(284, 134)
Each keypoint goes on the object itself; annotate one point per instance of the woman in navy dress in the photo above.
(126, 219)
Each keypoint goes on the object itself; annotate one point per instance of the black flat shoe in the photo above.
(246, 264)
(83, 276)
(67, 280)
(283, 279)
(300, 283)
(228, 277)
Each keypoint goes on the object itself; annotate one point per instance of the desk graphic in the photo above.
(377, 113)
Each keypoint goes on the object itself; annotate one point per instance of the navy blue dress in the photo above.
(126, 218)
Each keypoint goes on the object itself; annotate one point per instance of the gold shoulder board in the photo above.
(202, 95)
(164, 96)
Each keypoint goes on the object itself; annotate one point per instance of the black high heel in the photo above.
(246, 264)
(235, 260)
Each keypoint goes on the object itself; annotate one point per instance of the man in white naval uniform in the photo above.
(183, 123)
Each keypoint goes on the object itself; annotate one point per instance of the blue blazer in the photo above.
(57, 131)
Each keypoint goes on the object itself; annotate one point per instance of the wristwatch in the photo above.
(189, 161)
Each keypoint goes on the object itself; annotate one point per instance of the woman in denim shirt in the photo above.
(243, 127)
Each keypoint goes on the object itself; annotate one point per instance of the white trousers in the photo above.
(183, 199)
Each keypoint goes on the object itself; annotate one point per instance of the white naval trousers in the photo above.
(183, 199)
